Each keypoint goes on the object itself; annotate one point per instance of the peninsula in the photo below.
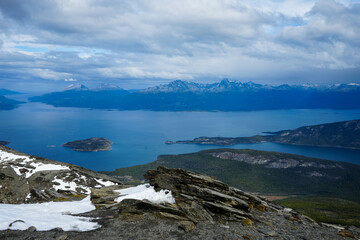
(339, 134)
(4, 142)
(94, 144)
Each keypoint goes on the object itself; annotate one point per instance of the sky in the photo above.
(48, 44)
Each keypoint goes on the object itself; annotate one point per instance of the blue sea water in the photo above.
(139, 136)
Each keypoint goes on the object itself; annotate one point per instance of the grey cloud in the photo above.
(328, 22)
(171, 39)
(15, 9)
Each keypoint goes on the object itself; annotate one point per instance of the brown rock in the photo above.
(261, 207)
(187, 226)
(62, 237)
(247, 222)
(106, 195)
(346, 233)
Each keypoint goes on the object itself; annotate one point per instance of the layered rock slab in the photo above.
(197, 198)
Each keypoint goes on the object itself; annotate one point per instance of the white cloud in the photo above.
(48, 74)
(70, 80)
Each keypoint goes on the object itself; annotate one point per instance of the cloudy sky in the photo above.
(138, 43)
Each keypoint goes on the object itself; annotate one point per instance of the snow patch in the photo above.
(105, 182)
(146, 192)
(45, 167)
(31, 162)
(69, 186)
(46, 216)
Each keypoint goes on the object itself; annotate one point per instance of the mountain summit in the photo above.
(76, 87)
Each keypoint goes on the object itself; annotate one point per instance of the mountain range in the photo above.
(235, 86)
(223, 96)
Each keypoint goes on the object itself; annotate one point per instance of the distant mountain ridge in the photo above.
(222, 96)
(227, 86)
(184, 86)
(4, 91)
(101, 87)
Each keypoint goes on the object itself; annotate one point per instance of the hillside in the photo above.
(26, 179)
(4, 91)
(340, 134)
(324, 190)
(8, 104)
(223, 96)
(264, 172)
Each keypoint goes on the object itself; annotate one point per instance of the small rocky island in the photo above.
(94, 144)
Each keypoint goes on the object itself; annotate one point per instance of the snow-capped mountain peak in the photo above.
(77, 87)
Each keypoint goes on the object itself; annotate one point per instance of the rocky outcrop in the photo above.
(94, 144)
(197, 198)
(26, 178)
(200, 197)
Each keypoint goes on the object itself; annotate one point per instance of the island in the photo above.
(339, 134)
(94, 144)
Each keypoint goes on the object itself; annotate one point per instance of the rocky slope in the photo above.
(204, 208)
(340, 134)
(94, 144)
(25, 179)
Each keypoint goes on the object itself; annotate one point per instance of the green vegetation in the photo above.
(315, 193)
(339, 179)
(325, 209)
(339, 134)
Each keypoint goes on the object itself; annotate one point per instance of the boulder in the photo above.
(14, 188)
